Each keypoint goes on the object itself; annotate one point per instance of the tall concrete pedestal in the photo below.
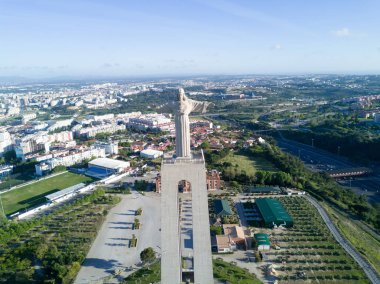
(172, 172)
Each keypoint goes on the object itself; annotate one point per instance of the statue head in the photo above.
(181, 94)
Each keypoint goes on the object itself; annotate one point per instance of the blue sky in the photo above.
(47, 38)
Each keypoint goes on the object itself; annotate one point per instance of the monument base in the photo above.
(173, 171)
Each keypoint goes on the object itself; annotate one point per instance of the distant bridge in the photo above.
(350, 172)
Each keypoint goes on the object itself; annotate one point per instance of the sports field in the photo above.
(34, 194)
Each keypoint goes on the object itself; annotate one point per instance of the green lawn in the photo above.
(249, 164)
(225, 271)
(146, 275)
(34, 194)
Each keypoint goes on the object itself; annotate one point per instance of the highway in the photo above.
(319, 160)
(368, 269)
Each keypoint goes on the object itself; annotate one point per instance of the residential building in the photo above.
(213, 180)
(69, 158)
(111, 148)
(90, 132)
(153, 121)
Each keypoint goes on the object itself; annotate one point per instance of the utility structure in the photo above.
(190, 167)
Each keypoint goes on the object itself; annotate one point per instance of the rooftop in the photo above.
(222, 207)
(109, 163)
(151, 152)
(262, 239)
(272, 211)
(65, 191)
(264, 189)
(234, 230)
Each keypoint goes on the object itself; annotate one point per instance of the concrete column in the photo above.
(201, 228)
(170, 238)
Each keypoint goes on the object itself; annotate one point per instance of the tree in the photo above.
(59, 169)
(10, 156)
(148, 255)
(138, 211)
(216, 230)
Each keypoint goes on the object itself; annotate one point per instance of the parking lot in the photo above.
(110, 251)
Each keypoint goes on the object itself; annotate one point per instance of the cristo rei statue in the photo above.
(182, 108)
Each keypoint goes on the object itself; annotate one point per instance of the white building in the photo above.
(105, 128)
(69, 159)
(30, 146)
(63, 136)
(111, 148)
(151, 121)
(151, 154)
(110, 116)
(60, 123)
(5, 141)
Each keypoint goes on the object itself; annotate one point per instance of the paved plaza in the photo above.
(110, 250)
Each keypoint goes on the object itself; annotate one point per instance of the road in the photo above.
(368, 269)
(319, 160)
(110, 250)
(307, 153)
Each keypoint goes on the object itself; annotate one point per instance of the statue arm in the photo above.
(199, 106)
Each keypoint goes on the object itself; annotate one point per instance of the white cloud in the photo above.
(277, 46)
(343, 32)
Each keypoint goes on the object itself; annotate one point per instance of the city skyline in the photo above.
(42, 39)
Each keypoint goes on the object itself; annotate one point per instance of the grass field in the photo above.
(33, 194)
(249, 164)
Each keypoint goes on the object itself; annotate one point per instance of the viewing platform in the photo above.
(196, 158)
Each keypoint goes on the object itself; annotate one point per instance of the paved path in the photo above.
(110, 250)
(368, 269)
